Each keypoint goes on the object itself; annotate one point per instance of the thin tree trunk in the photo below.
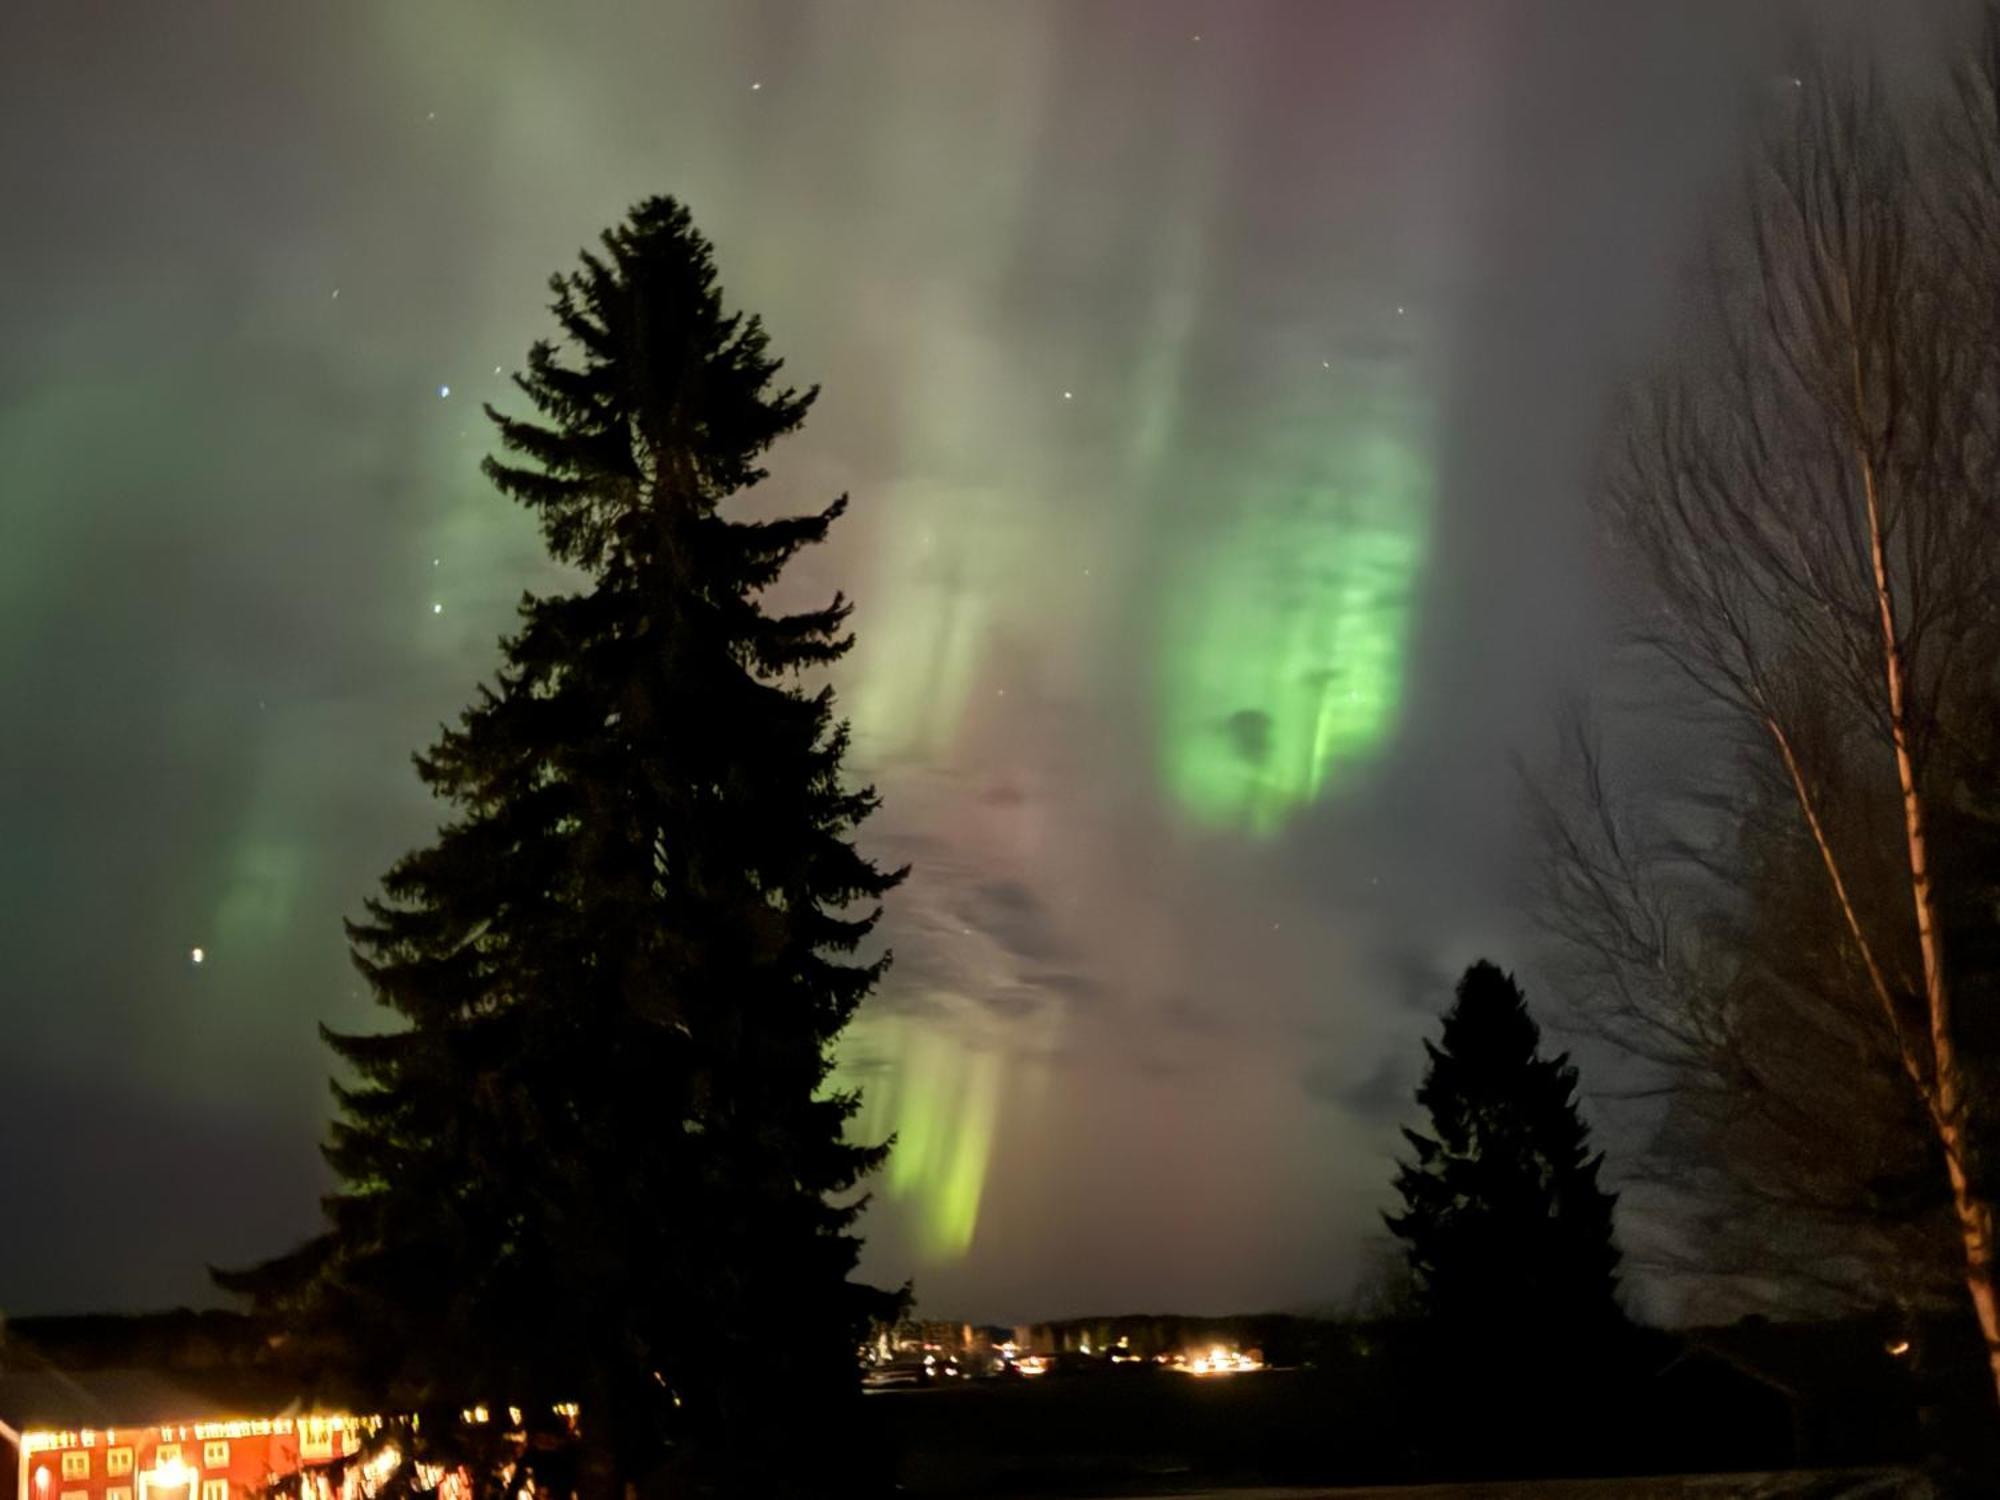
(1974, 1210)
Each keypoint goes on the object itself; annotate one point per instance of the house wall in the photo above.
(204, 1460)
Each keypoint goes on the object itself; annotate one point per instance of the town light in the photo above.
(1221, 1361)
(170, 1475)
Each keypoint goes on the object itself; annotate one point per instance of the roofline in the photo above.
(205, 1427)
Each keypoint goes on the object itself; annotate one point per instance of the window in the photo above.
(315, 1441)
(167, 1453)
(76, 1465)
(215, 1455)
(118, 1492)
(75, 1494)
(117, 1462)
(215, 1489)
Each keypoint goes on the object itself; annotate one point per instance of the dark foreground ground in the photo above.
(1848, 1485)
(1275, 1435)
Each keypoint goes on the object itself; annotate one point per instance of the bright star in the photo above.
(1069, 395)
(197, 955)
(437, 609)
(443, 391)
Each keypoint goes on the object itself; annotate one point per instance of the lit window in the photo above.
(215, 1455)
(117, 1462)
(75, 1495)
(118, 1492)
(215, 1489)
(166, 1453)
(315, 1441)
(76, 1466)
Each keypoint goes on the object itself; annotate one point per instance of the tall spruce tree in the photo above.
(596, 1161)
(1504, 1224)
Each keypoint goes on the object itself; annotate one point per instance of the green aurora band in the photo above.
(1284, 637)
(941, 1101)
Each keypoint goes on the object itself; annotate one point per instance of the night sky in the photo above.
(1217, 385)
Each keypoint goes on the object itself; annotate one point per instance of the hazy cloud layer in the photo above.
(1117, 308)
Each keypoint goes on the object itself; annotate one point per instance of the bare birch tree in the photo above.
(1786, 1165)
(1811, 495)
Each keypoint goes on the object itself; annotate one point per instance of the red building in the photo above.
(131, 1434)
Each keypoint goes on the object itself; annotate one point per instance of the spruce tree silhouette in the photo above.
(1521, 1360)
(595, 1167)
(1504, 1224)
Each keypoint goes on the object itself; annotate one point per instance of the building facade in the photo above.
(97, 1436)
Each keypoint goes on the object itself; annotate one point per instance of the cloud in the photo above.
(1382, 1095)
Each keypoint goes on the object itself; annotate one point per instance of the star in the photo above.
(1326, 364)
(443, 391)
(755, 87)
(497, 370)
(336, 294)
(1069, 395)
(1399, 312)
(197, 955)
(437, 609)
(435, 561)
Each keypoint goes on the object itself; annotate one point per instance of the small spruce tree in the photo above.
(595, 1160)
(1504, 1225)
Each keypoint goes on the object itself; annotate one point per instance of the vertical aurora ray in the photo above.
(1285, 628)
(940, 1099)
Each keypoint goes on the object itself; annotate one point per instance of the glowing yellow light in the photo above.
(171, 1475)
(1220, 1361)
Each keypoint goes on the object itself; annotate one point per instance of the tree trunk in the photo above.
(1974, 1210)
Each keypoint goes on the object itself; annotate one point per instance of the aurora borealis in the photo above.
(1283, 657)
(1214, 384)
